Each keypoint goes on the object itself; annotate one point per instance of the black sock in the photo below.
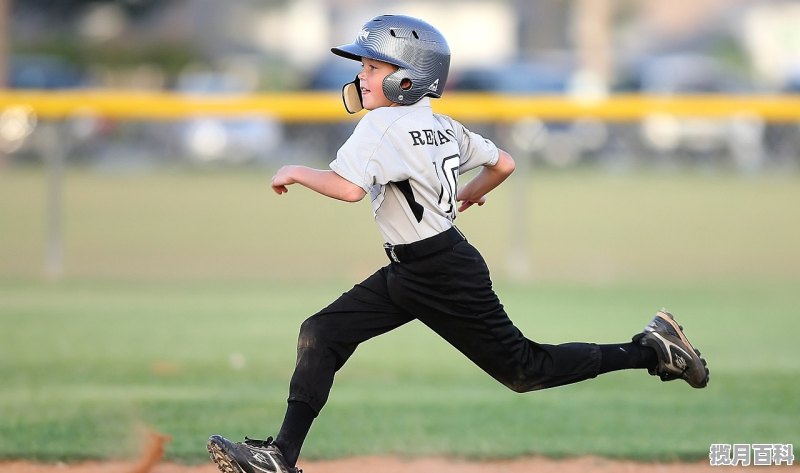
(294, 430)
(623, 356)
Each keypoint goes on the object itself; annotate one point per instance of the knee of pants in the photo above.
(316, 342)
(516, 387)
(522, 386)
(311, 332)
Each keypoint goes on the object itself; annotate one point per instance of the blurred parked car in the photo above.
(515, 78)
(225, 139)
(20, 127)
(782, 139)
(559, 143)
(324, 139)
(43, 72)
(700, 140)
(332, 75)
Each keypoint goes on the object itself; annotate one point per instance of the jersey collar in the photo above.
(423, 102)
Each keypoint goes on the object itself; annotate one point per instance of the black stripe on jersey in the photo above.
(416, 208)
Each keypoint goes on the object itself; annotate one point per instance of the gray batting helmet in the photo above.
(418, 50)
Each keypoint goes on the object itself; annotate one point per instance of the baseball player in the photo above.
(408, 160)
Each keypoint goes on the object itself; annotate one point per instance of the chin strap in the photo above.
(351, 96)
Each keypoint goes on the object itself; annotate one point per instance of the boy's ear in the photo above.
(351, 96)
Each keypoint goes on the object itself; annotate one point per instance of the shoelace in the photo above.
(259, 443)
(265, 443)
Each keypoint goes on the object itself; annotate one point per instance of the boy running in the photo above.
(408, 159)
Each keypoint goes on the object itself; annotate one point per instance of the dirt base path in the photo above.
(153, 448)
(398, 465)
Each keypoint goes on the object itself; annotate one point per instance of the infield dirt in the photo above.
(398, 465)
(152, 452)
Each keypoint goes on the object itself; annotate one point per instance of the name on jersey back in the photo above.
(431, 137)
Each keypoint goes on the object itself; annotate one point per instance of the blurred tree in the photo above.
(68, 9)
(68, 30)
(4, 37)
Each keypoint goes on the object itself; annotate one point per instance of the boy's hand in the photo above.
(487, 179)
(281, 179)
(465, 204)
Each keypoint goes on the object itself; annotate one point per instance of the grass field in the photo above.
(183, 293)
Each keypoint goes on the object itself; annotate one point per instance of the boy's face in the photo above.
(371, 82)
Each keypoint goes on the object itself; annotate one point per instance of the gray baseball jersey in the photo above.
(408, 160)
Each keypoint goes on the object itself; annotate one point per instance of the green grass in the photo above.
(578, 226)
(171, 276)
(85, 363)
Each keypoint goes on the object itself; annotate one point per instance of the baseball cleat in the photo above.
(677, 358)
(250, 456)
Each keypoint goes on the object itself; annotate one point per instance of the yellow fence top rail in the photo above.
(327, 107)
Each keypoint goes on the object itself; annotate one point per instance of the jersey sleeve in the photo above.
(353, 157)
(358, 158)
(475, 150)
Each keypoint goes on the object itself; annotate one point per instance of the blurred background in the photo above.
(576, 48)
(149, 276)
(581, 50)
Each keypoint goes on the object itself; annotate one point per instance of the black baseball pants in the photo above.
(450, 292)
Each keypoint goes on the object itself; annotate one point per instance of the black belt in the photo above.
(427, 247)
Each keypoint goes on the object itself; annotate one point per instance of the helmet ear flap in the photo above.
(351, 96)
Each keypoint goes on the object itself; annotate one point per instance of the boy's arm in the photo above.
(326, 182)
(474, 192)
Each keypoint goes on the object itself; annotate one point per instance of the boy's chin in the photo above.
(373, 104)
(371, 107)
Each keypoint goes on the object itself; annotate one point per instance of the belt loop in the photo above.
(390, 251)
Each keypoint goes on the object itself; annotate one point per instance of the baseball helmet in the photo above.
(418, 50)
